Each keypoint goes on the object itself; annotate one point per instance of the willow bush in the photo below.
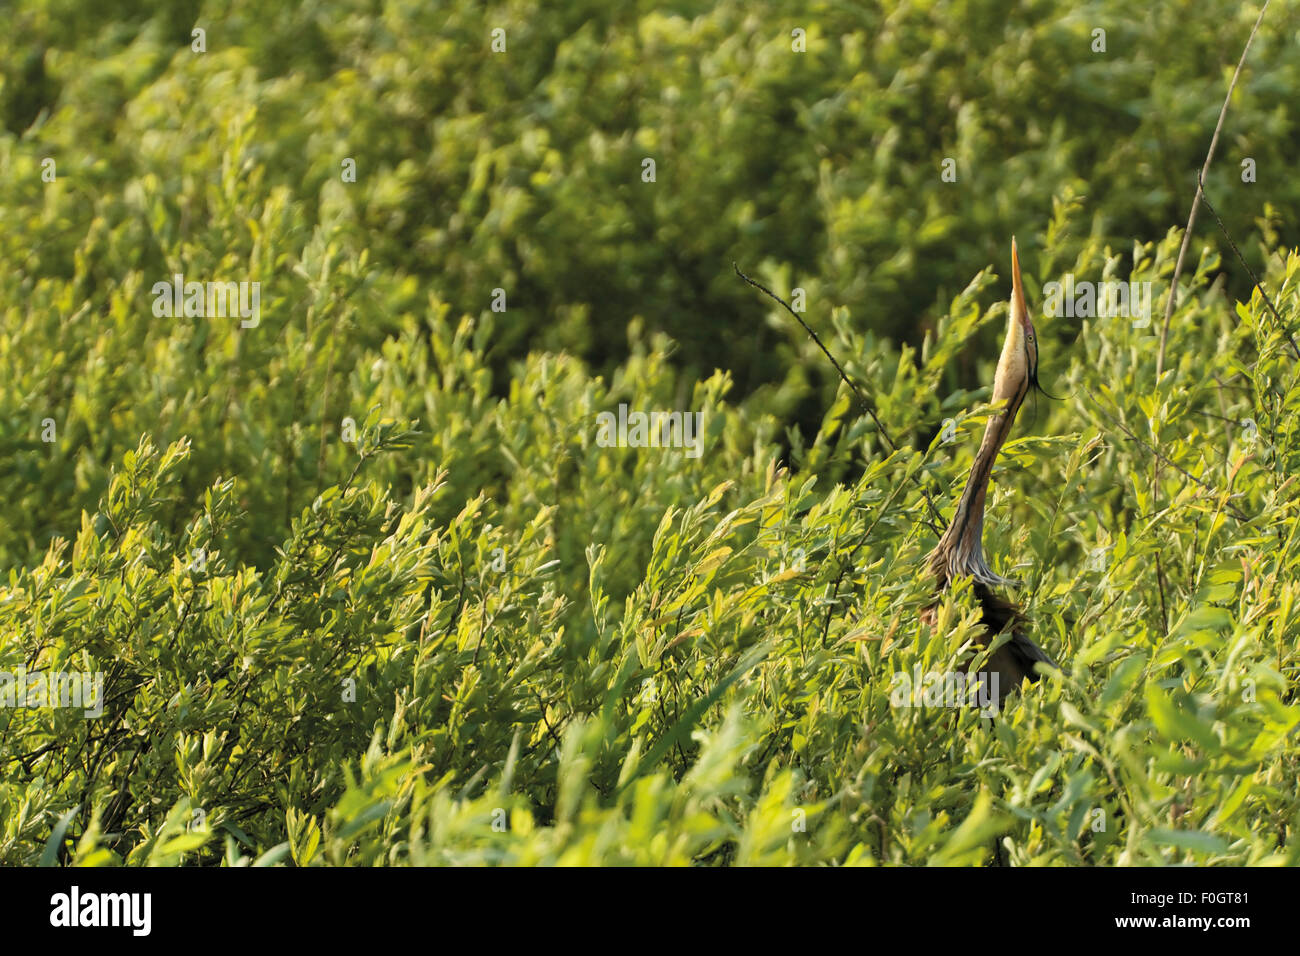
(364, 584)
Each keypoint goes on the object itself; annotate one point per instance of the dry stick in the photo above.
(893, 446)
(1182, 253)
(1254, 278)
(1191, 219)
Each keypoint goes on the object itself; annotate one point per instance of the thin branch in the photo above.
(1254, 278)
(862, 400)
(1191, 219)
(893, 446)
(1164, 606)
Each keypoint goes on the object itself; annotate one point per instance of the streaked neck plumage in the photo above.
(960, 552)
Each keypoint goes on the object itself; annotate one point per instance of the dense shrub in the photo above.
(473, 632)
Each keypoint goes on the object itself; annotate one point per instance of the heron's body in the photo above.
(960, 552)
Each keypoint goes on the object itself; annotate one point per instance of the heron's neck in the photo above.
(973, 495)
(961, 549)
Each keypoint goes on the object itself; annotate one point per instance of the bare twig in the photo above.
(1254, 278)
(1191, 219)
(862, 399)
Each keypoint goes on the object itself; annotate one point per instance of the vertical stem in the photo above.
(1196, 202)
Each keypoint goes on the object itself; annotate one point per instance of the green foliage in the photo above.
(522, 170)
(474, 633)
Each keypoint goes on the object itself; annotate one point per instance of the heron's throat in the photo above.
(1013, 365)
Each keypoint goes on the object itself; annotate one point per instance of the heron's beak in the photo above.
(1018, 306)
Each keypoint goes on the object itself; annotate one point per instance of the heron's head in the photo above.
(1018, 366)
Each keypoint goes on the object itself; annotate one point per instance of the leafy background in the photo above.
(474, 635)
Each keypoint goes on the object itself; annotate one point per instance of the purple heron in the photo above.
(960, 551)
